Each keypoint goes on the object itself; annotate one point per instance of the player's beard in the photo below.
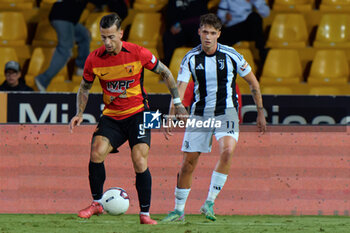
(115, 50)
(112, 52)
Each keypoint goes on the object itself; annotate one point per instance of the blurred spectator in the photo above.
(64, 18)
(13, 75)
(242, 23)
(118, 6)
(182, 23)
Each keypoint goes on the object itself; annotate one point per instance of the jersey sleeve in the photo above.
(88, 75)
(148, 60)
(184, 74)
(243, 68)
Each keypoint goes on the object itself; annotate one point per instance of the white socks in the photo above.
(217, 182)
(181, 198)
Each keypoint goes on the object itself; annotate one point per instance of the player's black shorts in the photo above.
(118, 131)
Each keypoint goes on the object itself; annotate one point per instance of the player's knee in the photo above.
(140, 164)
(187, 167)
(226, 154)
(97, 155)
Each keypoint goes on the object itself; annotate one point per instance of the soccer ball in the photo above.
(115, 201)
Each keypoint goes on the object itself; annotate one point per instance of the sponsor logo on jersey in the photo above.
(119, 86)
(200, 67)
(244, 66)
(153, 60)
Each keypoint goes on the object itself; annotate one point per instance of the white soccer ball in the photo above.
(115, 201)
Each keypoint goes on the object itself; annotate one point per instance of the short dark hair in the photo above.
(212, 20)
(108, 21)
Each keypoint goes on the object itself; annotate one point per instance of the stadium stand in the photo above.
(45, 35)
(13, 30)
(39, 62)
(322, 90)
(335, 6)
(333, 31)
(329, 67)
(288, 31)
(149, 5)
(145, 29)
(293, 5)
(292, 24)
(17, 5)
(46, 4)
(282, 67)
(277, 90)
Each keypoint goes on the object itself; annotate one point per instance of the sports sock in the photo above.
(97, 177)
(181, 198)
(217, 182)
(144, 189)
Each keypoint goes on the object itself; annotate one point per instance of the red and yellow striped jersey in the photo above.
(121, 78)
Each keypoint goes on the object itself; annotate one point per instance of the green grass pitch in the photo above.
(67, 223)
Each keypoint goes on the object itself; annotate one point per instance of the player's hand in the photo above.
(175, 29)
(168, 131)
(76, 121)
(228, 17)
(181, 113)
(261, 122)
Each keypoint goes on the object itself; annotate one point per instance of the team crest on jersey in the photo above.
(129, 69)
(221, 64)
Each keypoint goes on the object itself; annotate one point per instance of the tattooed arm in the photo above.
(255, 89)
(169, 80)
(82, 99)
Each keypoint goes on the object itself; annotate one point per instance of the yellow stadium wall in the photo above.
(44, 169)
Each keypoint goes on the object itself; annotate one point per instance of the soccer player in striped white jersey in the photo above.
(214, 68)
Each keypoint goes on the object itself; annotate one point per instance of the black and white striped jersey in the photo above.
(214, 77)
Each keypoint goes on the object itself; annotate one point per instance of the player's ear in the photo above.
(199, 31)
(121, 33)
(219, 33)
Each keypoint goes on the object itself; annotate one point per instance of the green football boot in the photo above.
(207, 210)
(175, 216)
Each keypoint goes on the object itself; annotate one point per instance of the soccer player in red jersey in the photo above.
(119, 67)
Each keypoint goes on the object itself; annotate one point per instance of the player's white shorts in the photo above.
(198, 137)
